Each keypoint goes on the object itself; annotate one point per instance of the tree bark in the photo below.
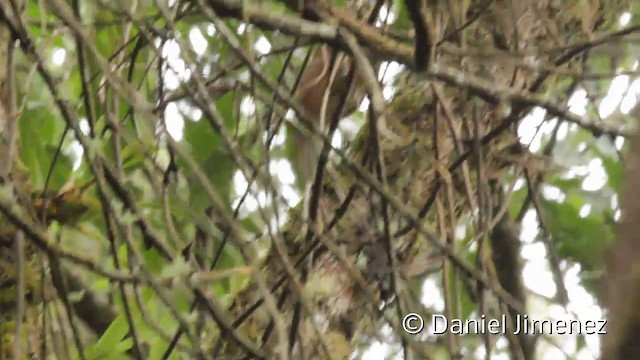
(623, 279)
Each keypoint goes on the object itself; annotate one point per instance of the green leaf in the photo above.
(62, 168)
(517, 199)
(75, 296)
(110, 340)
(208, 151)
(154, 260)
(402, 22)
(121, 348)
(566, 185)
(201, 139)
(615, 172)
(40, 132)
(179, 267)
(225, 106)
(584, 240)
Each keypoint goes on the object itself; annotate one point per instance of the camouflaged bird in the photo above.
(430, 125)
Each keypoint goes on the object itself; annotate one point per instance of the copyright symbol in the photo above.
(412, 323)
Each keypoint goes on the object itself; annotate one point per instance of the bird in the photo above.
(321, 105)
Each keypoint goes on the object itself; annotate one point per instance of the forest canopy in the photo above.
(315, 179)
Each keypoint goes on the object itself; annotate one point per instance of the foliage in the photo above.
(156, 176)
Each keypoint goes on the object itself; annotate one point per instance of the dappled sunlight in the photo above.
(612, 100)
(58, 56)
(198, 41)
(174, 121)
(164, 136)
